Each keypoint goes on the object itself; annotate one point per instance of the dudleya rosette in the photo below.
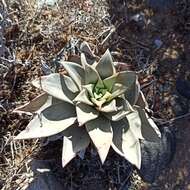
(91, 103)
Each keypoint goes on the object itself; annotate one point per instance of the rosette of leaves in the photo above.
(91, 103)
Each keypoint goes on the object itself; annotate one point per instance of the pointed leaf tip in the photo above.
(105, 66)
(75, 140)
(101, 133)
(150, 131)
(50, 122)
(85, 48)
(57, 85)
(36, 105)
(67, 151)
(125, 143)
(91, 75)
(75, 71)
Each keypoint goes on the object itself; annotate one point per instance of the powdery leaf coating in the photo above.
(125, 143)
(58, 86)
(75, 71)
(100, 132)
(50, 122)
(94, 103)
(75, 140)
(105, 66)
(85, 113)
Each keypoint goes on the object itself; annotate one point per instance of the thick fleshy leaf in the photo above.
(125, 143)
(127, 78)
(85, 48)
(91, 75)
(55, 101)
(105, 66)
(109, 107)
(85, 113)
(89, 88)
(132, 93)
(35, 104)
(118, 127)
(116, 116)
(59, 86)
(134, 122)
(150, 131)
(110, 81)
(51, 121)
(75, 140)
(142, 101)
(98, 103)
(83, 60)
(75, 71)
(100, 132)
(130, 80)
(99, 84)
(154, 126)
(83, 97)
(118, 89)
(67, 151)
(123, 108)
(90, 57)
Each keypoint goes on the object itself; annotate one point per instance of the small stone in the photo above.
(158, 43)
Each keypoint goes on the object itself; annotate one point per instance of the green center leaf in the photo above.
(99, 92)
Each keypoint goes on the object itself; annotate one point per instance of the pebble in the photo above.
(158, 43)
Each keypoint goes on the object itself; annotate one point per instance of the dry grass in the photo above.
(36, 38)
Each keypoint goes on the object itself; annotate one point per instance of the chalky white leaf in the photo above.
(75, 140)
(91, 75)
(57, 85)
(135, 123)
(109, 107)
(125, 143)
(85, 113)
(105, 66)
(123, 108)
(75, 71)
(100, 132)
(50, 122)
(130, 80)
(82, 97)
(149, 129)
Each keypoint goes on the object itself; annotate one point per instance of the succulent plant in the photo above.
(91, 103)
